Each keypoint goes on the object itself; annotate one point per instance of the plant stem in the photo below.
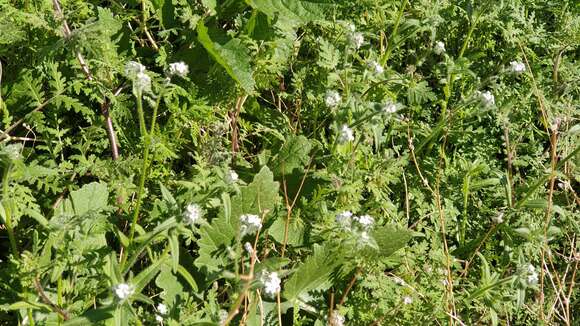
(142, 178)
(8, 210)
(390, 43)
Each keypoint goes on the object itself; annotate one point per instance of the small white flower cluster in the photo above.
(336, 319)
(123, 290)
(250, 224)
(178, 69)
(439, 48)
(347, 220)
(346, 135)
(271, 282)
(193, 214)
(531, 275)
(407, 300)
(359, 225)
(390, 107)
(498, 219)
(332, 99)
(517, 67)
(486, 98)
(163, 311)
(248, 247)
(375, 67)
(355, 38)
(231, 176)
(141, 81)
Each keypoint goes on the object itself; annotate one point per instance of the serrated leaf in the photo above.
(229, 53)
(313, 274)
(292, 155)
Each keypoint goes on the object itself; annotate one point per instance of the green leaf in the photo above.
(313, 274)
(536, 203)
(258, 197)
(292, 155)
(91, 197)
(291, 13)
(91, 317)
(295, 231)
(171, 286)
(389, 239)
(143, 278)
(229, 53)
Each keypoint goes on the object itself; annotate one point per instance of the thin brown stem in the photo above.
(350, 285)
(87, 72)
(63, 313)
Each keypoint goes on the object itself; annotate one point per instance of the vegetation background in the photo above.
(289, 162)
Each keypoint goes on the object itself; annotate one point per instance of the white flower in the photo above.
(248, 247)
(517, 67)
(532, 277)
(486, 98)
(178, 69)
(123, 290)
(159, 318)
(250, 223)
(407, 300)
(192, 214)
(142, 83)
(444, 282)
(439, 48)
(498, 219)
(344, 218)
(375, 67)
(133, 68)
(398, 280)
(231, 176)
(336, 319)
(350, 27)
(162, 309)
(271, 283)
(332, 99)
(366, 221)
(356, 40)
(390, 107)
(346, 134)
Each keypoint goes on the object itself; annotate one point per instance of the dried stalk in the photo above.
(87, 72)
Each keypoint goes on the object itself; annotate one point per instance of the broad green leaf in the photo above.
(295, 231)
(292, 155)
(91, 197)
(389, 239)
(258, 197)
(291, 12)
(229, 53)
(313, 274)
(171, 286)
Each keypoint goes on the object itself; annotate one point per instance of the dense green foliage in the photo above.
(289, 162)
